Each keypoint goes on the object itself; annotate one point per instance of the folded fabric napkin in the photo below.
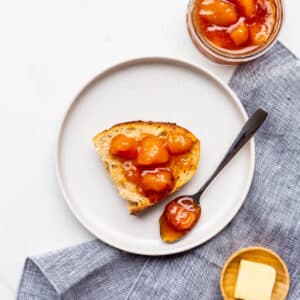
(270, 216)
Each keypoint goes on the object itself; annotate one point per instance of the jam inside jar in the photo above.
(233, 31)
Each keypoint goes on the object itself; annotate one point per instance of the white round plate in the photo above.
(156, 89)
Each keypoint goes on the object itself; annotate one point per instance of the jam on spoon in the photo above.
(182, 214)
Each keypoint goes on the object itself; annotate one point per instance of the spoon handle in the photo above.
(251, 126)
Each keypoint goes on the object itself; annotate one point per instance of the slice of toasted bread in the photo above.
(182, 172)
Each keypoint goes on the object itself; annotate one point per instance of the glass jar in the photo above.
(224, 56)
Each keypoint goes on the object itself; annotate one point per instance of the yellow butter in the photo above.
(255, 281)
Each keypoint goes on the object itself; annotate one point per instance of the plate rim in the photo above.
(126, 64)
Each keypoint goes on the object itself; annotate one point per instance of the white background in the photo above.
(48, 51)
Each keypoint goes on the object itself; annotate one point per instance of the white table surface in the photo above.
(49, 49)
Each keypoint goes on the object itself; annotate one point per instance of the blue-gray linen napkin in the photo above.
(270, 216)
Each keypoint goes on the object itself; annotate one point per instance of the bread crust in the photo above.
(182, 172)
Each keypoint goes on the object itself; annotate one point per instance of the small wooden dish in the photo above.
(255, 254)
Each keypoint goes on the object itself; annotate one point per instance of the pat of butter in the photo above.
(255, 281)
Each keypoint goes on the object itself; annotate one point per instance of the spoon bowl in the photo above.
(180, 216)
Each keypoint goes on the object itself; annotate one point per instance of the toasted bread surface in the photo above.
(183, 168)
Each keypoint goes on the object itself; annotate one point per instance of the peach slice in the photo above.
(124, 146)
(179, 143)
(152, 152)
(157, 181)
(218, 12)
(239, 34)
(247, 7)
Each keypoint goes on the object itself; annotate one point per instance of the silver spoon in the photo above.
(182, 214)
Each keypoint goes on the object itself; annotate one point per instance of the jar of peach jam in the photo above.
(234, 31)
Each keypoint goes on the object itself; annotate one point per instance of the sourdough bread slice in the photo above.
(182, 172)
